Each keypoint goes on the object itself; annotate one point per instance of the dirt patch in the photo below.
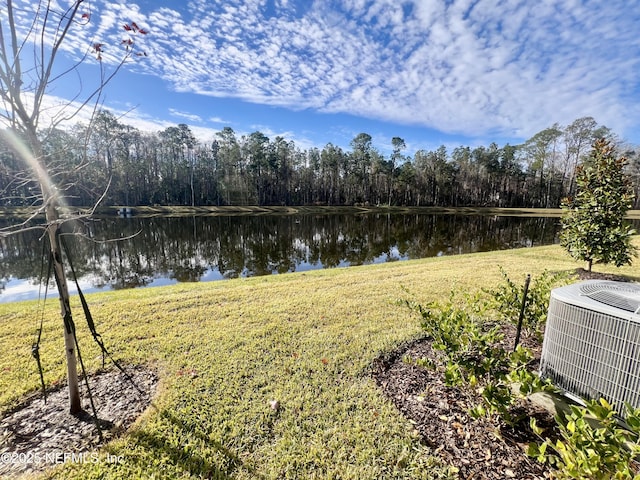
(583, 274)
(36, 436)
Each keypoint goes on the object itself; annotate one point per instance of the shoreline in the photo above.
(181, 210)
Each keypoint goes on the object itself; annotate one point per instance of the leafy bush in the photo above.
(506, 299)
(499, 395)
(585, 451)
(470, 354)
(592, 445)
(465, 344)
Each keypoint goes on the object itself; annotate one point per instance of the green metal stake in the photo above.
(521, 318)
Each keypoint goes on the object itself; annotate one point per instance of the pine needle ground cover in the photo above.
(225, 350)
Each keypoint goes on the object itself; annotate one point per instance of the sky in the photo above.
(433, 72)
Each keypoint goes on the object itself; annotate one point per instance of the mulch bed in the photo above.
(484, 448)
(35, 436)
(583, 274)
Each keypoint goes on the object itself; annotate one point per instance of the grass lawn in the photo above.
(225, 349)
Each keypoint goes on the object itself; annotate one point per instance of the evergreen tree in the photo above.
(593, 228)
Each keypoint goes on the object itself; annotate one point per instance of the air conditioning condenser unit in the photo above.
(591, 346)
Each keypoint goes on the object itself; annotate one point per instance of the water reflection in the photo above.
(189, 249)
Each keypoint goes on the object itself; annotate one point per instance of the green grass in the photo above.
(306, 339)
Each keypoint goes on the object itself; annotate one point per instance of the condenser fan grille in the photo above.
(591, 345)
(618, 295)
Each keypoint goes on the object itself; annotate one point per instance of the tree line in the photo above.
(122, 165)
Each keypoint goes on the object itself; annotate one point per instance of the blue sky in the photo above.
(455, 72)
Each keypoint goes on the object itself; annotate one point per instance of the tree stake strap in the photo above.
(92, 327)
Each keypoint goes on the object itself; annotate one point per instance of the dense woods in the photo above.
(172, 167)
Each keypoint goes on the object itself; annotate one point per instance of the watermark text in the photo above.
(57, 457)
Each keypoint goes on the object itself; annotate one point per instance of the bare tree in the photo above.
(33, 39)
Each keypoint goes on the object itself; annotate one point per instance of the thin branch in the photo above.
(75, 66)
(24, 225)
(109, 240)
(46, 73)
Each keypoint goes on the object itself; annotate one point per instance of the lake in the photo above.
(162, 250)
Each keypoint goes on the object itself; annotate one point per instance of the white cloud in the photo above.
(463, 66)
(187, 116)
(218, 120)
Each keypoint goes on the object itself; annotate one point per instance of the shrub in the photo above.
(592, 444)
(470, 354)
(506, 299)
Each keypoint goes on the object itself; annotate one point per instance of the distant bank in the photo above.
(321, 209)
(313, 209)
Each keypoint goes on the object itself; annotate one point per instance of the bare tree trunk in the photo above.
(51, 202)
(65, 309)
(193, 197)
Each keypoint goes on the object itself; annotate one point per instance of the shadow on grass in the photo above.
(189, 459)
